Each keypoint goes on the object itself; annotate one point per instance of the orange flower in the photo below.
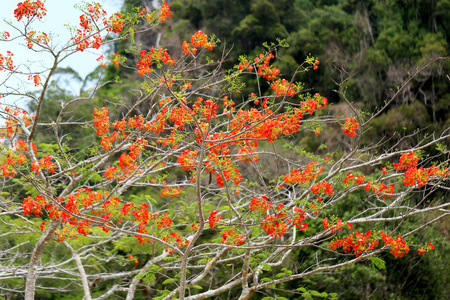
(165, 12)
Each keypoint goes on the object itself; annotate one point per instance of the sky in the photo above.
(60, 14)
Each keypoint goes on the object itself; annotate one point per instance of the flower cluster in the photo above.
(316, 64)
(29, 9)
(198, 40)
(232, 238)
(265, 127)
(420, 176)
(262, 205)
(101, 123)
(34, 206)
(245, 154)
(359, 242)
(153, 56)
(351, 179)
(8, 162)
(264, 68)
(297, 219)
(187, 160)
(337, 224)
(142, 216)
(164, 221)
(380, 189)
(422, 250)
(114, 23)
(65, 232)
(206, 109)
(417, 176)
(188, 49)
(356, 242)
(222, 166)
(85, 37)
(213, 219)
(398, 246)
(127, 162)
(4, 35)
(172, 192)
(88, 35)
(315, 103)
(176, 240)
(274, 225)
(310, 172)
(228, 106)
(45, 163)
(165, 12)
(116, 60)
(32, 37)
(14, 118)
(6, 62)
(283, 87)
(350, 127)
(36, 79)
(244, 63)
(21, 145)
(407, 161)
(71, 207)
(322, 187)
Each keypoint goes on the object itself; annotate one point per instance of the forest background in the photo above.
(375, 46)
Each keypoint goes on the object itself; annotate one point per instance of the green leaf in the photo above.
(197, 287)
(377, 263)
(131, 31)
(169, 258)
(301, 290)
(317, 294)
(149, 276)
(265, 279)
(168, 281)
(333, 295)
(261, 255)
(266, 267)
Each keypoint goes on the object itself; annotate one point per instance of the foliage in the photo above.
(192, 186)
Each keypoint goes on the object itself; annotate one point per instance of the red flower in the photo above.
(350, 127)
(213, 219)
(262, 205)
(165, 12)
(322, 187)
(164, 221)
(349, 177)
(325, 223)
(199, 39)
(6, 62)
(274, 225)
(29, 9)
(232, 238)
(283, 88)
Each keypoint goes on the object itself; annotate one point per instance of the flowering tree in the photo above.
(235, 203)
